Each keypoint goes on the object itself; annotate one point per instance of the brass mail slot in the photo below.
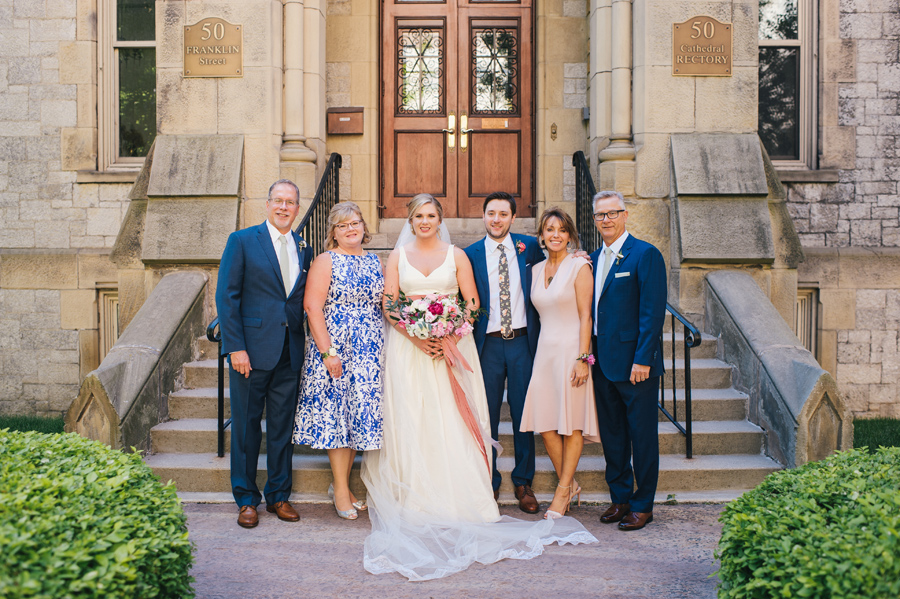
(347, 120)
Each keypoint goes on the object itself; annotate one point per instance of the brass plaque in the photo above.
(488, 123)
(702, 47)
(213, 48)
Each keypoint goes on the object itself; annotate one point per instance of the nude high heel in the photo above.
(576, 494)
(550, 514)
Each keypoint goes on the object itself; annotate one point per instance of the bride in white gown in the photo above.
(429, 489)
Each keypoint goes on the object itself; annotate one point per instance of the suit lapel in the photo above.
(523, 268)
(479, 267)
(617, 262)
(300, 254)
(265, 242)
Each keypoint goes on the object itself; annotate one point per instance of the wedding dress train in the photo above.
(429, 487)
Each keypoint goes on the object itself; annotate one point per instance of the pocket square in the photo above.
(623, 274)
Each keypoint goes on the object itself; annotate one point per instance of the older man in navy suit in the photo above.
(629, 311)
(507, 336)
(259, 297)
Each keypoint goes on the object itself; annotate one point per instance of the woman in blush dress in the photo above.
(560, 399)
(340, 398)
(431, 502)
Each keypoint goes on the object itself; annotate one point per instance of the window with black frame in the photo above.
(787, 85)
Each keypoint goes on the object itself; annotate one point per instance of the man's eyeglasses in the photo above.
(353, 224)
(285, 203)
(611, 215)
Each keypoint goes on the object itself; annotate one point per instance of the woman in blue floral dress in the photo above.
(340, 396)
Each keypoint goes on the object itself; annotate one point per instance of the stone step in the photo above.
(729, 437)
(706, 349)
(706, 404)
(716, 437)
(706, 373)
(206, 473)
(506, 497)
(709, 438)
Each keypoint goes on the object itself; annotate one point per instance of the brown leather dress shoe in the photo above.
(527, 501)
(614, 513)
(248, 518)
(497, 495)
(284, 511)
(636, 520)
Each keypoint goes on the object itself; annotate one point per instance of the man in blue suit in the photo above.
(507, 336)
(629, 311)
(259, 297)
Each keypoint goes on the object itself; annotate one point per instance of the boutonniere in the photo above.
(301, 244)
(520, 247)
(619, 256)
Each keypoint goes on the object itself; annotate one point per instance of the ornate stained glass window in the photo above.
(420, 59)
(495, 62)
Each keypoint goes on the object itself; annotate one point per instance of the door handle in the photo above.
(463, 132)
(451, 131)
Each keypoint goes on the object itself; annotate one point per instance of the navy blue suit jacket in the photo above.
(531, 256)
(631, 310)
(250, 299)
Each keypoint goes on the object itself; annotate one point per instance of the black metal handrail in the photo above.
(590, 241)
(584, 209)
(214, 335)
(314, 225)
(692, 339)
(312, 228)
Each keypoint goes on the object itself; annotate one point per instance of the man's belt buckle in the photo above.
(508, 333)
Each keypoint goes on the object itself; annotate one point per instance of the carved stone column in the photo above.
(298, 161)
(617, 159)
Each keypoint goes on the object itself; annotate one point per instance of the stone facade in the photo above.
(55, 234)
(850, 227)
(60, 214)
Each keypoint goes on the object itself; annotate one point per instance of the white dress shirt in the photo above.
(616, 247)
(293, 256)
(516, 295)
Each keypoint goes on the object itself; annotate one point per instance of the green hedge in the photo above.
(78, 519)
(828, 529)
(40, 424)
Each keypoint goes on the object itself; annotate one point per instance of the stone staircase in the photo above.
(728, 450)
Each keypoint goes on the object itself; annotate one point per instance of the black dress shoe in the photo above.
(614, 513)
(636, 520)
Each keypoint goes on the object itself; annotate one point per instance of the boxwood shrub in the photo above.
(828, 529)
(78, 519)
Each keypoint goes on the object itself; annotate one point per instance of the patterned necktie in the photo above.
(285, 264)
(607, 262)
(505, 307)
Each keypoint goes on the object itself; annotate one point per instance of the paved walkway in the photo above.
(321, 556)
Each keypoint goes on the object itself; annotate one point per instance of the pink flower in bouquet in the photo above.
(464, 329)
(436, 308)
(439, 329)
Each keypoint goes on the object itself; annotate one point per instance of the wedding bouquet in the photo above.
(432, 316)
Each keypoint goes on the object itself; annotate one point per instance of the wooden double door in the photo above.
(457, 103)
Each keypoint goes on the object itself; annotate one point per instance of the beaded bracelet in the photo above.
(587, 359)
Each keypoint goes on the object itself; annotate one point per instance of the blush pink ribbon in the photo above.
(453, 357)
